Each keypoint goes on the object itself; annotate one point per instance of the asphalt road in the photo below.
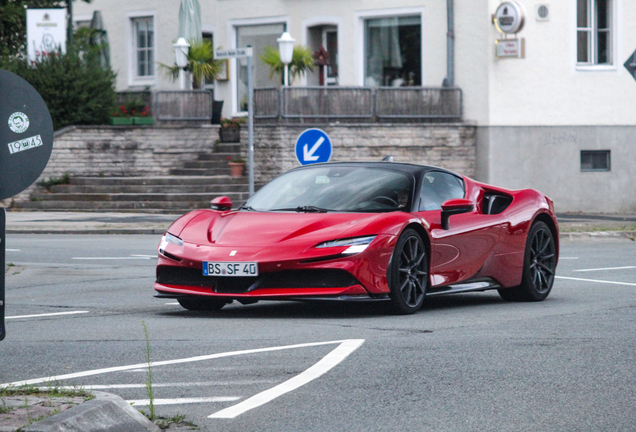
(468, 362)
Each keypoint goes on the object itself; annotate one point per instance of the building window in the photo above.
(595, 160)
(208, 37)
(258, 37)
(393, 51)
(144, 43)
(594, 32)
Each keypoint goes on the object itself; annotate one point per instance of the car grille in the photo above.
(318, 278)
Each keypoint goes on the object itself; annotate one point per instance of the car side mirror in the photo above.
(221, 203)
(453, 207)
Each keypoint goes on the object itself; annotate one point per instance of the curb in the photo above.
(159, 231)
(107, 412)
(629, 235)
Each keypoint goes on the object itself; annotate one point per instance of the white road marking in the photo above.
(146, 402)
(568, 258)
(46, 314)
(341, 352)
(142, 366)
(606, 268)
(145, 256)
(597, 281)
(170, 304)
(12, 250)
(181, 384)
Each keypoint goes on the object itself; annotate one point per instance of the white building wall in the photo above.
(547, 88)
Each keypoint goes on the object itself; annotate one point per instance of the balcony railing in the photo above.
(359, 104)
(183, 105)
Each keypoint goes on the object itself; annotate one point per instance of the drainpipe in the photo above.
(450, 45)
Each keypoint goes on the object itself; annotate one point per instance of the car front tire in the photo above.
(408, 273)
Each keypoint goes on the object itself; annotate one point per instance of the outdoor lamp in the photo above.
(286, 50)
(181, 47)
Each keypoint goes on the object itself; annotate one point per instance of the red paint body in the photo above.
(475, 246)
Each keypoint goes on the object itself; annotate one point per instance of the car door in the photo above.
(459, 253)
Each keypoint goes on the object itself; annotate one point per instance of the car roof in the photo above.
(397, 166)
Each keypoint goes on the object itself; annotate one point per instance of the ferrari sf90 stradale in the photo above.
(380, 231)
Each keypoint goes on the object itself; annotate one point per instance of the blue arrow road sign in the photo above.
(313, 146)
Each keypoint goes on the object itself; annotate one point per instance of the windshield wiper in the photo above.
(311, 209)
(304, 209)
(248, 208)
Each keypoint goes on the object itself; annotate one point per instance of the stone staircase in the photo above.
(186, 188)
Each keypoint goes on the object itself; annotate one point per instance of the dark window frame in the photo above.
(590, 154)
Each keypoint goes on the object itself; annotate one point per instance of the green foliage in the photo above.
(302, 61)
(54, 181)
(76, 89)
(201, 63)
(132, 106)
(13, 23)
(149, 390)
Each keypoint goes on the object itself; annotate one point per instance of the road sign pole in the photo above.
(250, 121)
(3, 218)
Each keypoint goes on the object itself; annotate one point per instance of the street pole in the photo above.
(250, 121)
(3, 218)
(286, 79)
(69, 24)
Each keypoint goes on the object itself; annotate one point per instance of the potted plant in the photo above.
(231, 129)
(201, 63)
(132, 111)
(121, 116)
(237, 166)
(302, 61)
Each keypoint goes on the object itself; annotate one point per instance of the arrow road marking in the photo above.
(309, 155)
(328, 362)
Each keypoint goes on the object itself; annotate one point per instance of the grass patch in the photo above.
(54, 181)
(51, 390)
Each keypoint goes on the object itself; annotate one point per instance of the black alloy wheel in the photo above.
(539, 267)
(202, 303)
(408, 273)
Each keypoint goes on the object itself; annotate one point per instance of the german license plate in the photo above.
(211, 268)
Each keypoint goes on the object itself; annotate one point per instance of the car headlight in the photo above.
(356, 245)
(169, 238)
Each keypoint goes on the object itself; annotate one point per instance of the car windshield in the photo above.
(335, 188)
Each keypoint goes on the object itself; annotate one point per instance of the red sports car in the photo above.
(380, 231)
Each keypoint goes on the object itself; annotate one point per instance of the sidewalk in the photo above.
(570, 224)
(87, 223)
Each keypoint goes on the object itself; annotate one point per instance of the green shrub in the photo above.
(76, 89)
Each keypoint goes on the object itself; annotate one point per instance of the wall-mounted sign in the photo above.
(46, 32)
(630, 65)
(510, 48)
(233, 53)
(510, 17)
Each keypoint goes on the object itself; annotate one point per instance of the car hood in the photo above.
(280, 228)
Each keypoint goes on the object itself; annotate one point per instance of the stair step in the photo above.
(228, 148)
(207, 164)
(159, 180)
(199, 171)
(173, 197)
(141, 189)
(98, 206)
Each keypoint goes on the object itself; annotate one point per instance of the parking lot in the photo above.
(76, 304)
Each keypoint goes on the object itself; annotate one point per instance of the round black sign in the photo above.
(26, 134)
